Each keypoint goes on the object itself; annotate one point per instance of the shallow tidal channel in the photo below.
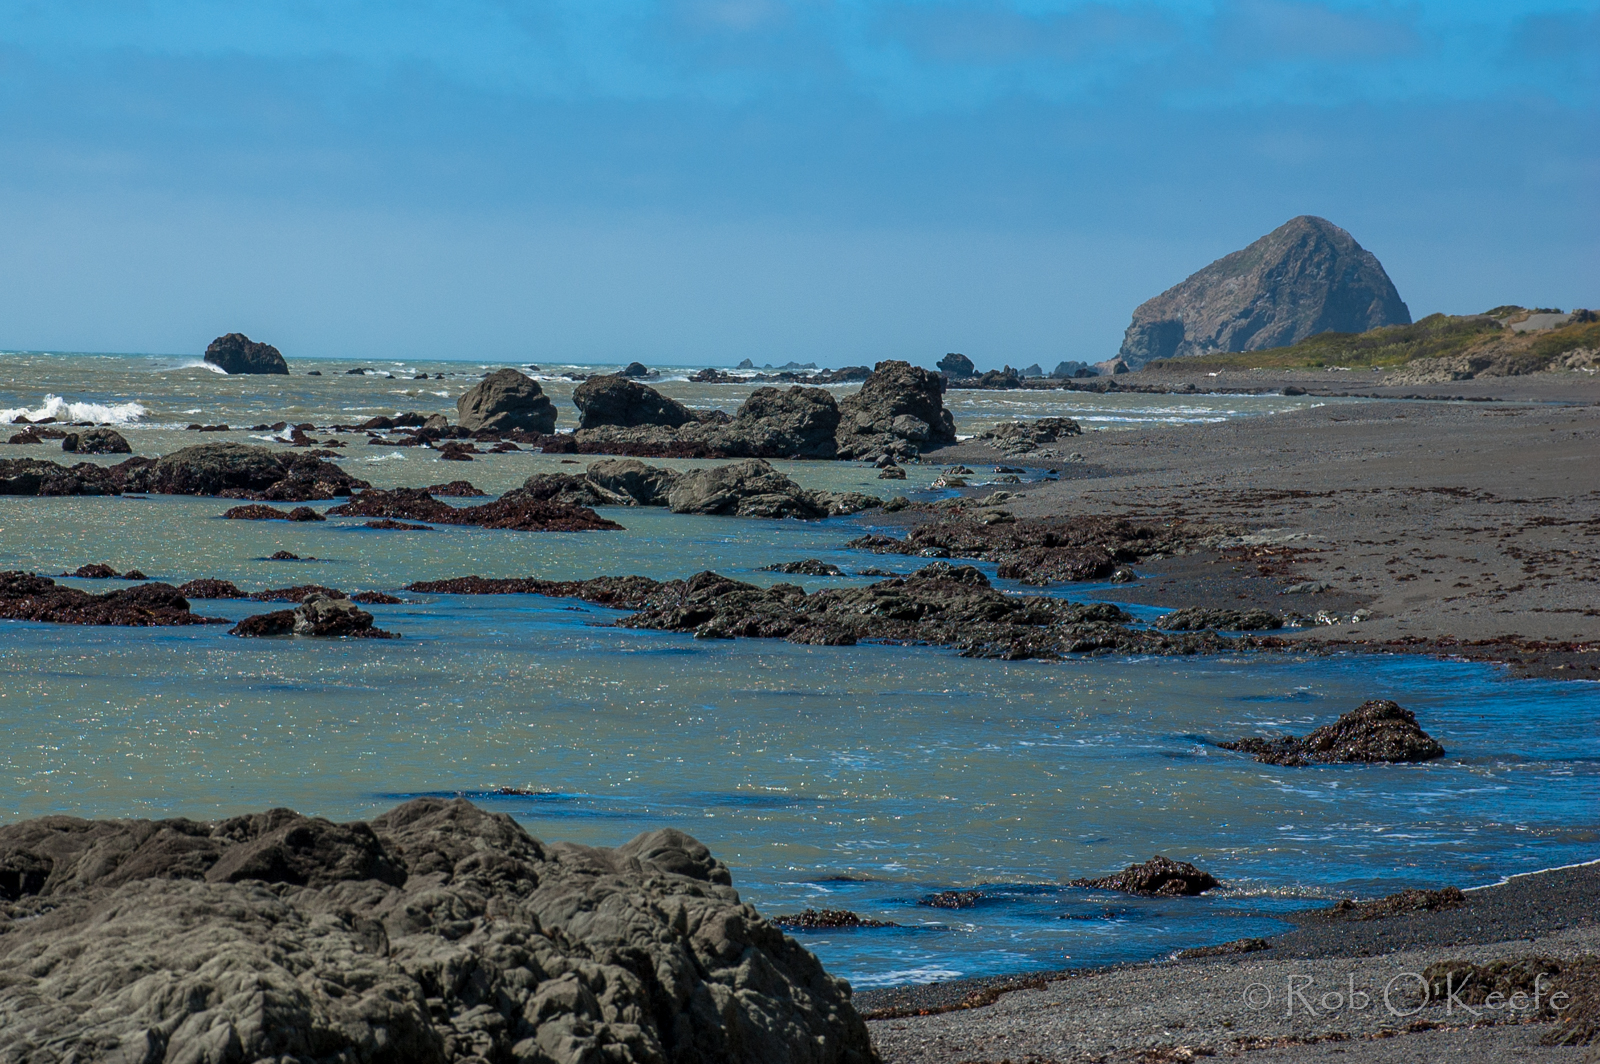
(860, 777)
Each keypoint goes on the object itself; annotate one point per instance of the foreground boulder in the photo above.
(1375, 731)
(25, 597)
(899, 410)
(437, 933)
(236, 353)
(506, 401)
(1160, 876)
(96, 441)
(616, 400)
(1305, 277)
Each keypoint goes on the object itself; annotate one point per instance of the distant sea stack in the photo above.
(1305, 277)
(237, 353)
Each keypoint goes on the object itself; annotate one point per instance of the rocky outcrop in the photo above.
(1160, 877)
(1046, 550)
(774, 423)
(1308, 276)
(1375, 731)
(955, 364)
(260, 512)
(751, 488)
(236, 353)
(437, 933)
(515, 510)
(25, 597)
(237, 471)
(1015, 438)
(618, 401)
(96, 441)
(899, 411)
(319, 615)
(30, 476)
(506, 401)
(940, 605)
(208, 588)
(1196, 618)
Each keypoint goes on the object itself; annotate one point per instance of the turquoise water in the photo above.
(846, 777)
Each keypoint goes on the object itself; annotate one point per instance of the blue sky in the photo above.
(708, 180)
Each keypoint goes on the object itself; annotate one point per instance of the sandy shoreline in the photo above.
(1467, 529)
(1452, 523)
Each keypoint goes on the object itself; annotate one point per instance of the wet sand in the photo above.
(1466, 528)
(1453, 523)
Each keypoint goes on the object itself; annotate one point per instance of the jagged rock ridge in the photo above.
(1305, 277)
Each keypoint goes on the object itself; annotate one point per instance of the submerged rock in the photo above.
(206, 588)
(1375, 731)
(506, 401)
(261, 512)
(515, 510)
(827, 920)
(941, 605)
(1159, 876)
(751, 488)
(236, 353)
(24, 597)
(319, 614)
(96, 441)
(808, 567)
(437, 933)
(1046, 550)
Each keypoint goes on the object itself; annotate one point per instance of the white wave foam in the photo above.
(193, 363)
(66, 410)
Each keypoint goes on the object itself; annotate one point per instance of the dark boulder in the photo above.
(1159, 876)
(957, 365)
(24, 597)
(240, 471)
(827, 920)
(207, 588)
(636, 369)
(437, 933)
(1308, 276)
(93, 571)
(899, 410)
(1376, 731)
(96, 441)
(325, 616)
(772, 423)
(618, 401)
(807, 567)
(506, 401)
(260, 512)
(752, 488)
(237, 353)
(515, 510)
(1196, 618)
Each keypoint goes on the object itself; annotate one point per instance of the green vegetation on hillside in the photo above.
(1436, 336)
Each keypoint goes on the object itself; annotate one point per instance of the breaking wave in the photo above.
(66, 410)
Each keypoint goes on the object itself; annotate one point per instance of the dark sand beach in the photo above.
(1465, 528)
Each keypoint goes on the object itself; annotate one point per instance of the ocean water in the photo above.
(844, 777)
